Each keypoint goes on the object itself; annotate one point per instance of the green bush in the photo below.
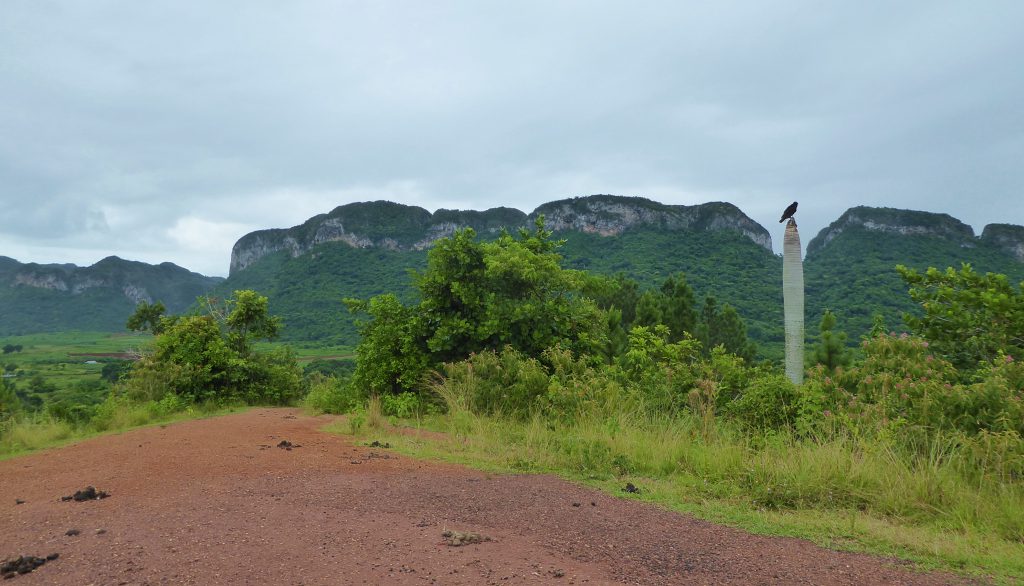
(508, 383)
(329, 394)
(209, 357)
(402, 405)
(770, 401)
(577, 388)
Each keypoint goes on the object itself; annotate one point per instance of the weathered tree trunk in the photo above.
(793, 302)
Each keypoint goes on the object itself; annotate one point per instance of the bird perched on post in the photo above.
(789, 212)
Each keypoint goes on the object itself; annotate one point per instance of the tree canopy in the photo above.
(968, 317)
(477, 296)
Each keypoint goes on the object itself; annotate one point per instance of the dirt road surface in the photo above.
(216, 501)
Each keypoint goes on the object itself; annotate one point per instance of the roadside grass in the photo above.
(54, 355)
(849, 493)
(31, 433)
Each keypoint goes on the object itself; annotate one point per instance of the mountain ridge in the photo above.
(52, 297)
(393, 226)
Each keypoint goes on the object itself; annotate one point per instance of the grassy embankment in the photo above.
(70, 364)
(856, 494)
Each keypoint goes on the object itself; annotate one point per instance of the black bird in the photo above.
(789, 212)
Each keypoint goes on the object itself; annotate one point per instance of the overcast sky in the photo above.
(164, 131)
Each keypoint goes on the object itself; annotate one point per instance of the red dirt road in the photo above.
(213, 502)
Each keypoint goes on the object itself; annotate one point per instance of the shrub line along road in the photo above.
(215, 501)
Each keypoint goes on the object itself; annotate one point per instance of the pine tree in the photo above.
(679, 312)
(831, 350)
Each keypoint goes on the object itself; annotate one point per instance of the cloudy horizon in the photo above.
(165, 131)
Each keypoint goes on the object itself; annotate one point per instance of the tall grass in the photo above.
(36, 431)
(862, 493)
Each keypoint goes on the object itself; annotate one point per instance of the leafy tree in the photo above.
(618, 292)
(393, 355)
(249, 317)
(968, 318)
(147, 317)
(474, 297)
(723, 327)
(114, 370)
(209, 356)
(672, 306)
(831, 351)
(10, 348)
(39, 385)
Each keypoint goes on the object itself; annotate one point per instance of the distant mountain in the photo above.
(391, 226)
(57, 297)
(850, 264)
(364, 249)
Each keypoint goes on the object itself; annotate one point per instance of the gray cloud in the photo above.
(165, 130)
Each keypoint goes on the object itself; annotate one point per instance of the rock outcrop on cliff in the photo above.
(1007, 237)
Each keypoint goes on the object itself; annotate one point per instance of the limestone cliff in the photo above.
(398, 227)
(610, 215)
(894, 221)
(129, 280)
(1008, 237)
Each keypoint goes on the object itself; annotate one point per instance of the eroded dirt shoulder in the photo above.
(226, 501)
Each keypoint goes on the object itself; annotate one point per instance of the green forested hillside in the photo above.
(307, 291)
(854, 274)
(850, 267)
(724, 264)
(98, 298)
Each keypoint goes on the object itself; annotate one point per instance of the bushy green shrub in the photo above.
(329, 394)
(477, 297)
(402, 405)
(660, 373)
(769, 401)
(578, 388)
(209, 357)
(506, 383)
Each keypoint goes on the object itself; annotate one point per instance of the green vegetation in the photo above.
(307, 291)
(70, 386)
(210, 357)
(970, 318)
(725, 265)
(855, 274)
(475, 296)
(896, 451)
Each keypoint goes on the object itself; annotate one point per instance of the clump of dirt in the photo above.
(287, 445)
(88, 493)
(23, 564)
(72, 532)
(630, 488)
(459, 538)
(377, 444)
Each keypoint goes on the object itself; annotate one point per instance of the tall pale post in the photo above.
(793, 302)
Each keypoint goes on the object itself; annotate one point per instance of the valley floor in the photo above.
(216, 501)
